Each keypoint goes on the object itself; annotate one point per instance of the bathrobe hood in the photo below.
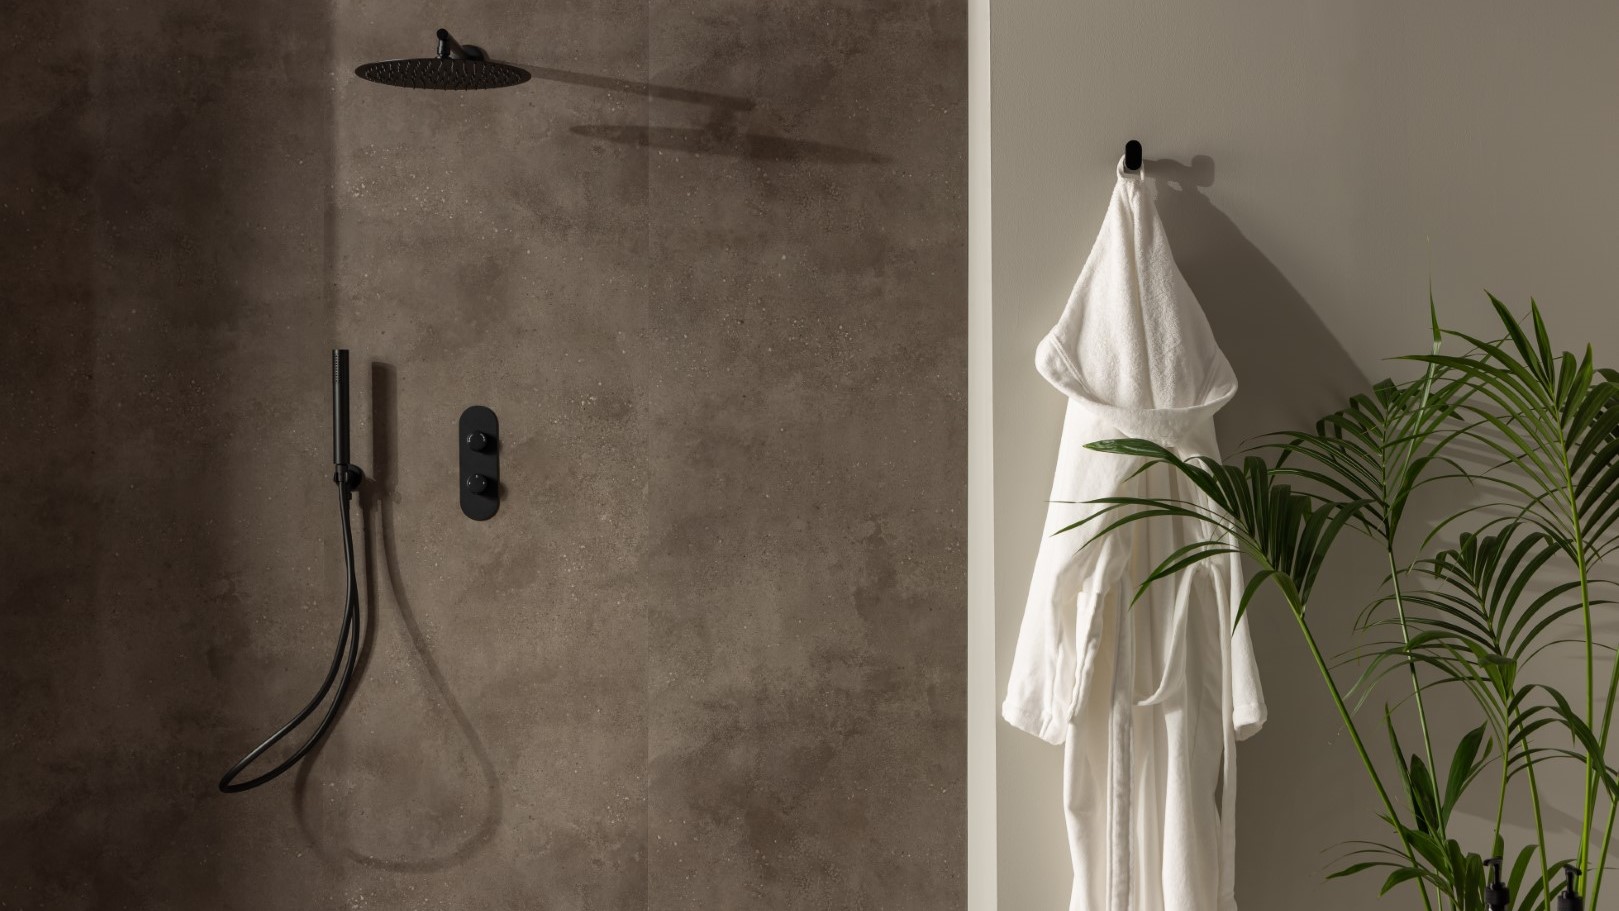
(1148, 697)
(1132, 350)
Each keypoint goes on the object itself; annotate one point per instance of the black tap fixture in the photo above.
(1570, 900)
(1497, 897)
(479, 434)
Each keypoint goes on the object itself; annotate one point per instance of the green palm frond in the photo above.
(1482, 593)
(1553, 419)
(1249, 509)
(1381, 448)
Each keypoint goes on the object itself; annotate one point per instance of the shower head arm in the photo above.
(451, 49)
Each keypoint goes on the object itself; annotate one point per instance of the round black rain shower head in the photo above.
(455, 68)
(429, 73)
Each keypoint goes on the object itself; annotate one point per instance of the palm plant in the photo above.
(1472, 615)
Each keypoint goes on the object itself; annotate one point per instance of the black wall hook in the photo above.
(1132, 156)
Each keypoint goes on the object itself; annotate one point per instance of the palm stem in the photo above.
(1590, 691)
(1613, 805)
(1405, 635)
(1360, 746)
(1501, 801)
(1540, 826)
(1602, 867)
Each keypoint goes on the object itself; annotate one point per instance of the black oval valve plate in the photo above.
(479, 443)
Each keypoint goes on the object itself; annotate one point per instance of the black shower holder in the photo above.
(478, 439)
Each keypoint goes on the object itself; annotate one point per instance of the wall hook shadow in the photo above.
(377, 499)
(1289, 365)
(1200, 173)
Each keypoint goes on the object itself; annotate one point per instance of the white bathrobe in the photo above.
(1148, 700)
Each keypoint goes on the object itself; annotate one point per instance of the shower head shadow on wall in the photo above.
(468, 67)
(721, 134)
(717, 140)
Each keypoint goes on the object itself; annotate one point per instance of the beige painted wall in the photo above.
(1316, 164)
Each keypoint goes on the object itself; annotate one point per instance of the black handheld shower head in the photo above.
(455, 68)
(340, 406)
(347, 476)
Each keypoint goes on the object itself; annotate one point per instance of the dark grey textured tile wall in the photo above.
(806, 726)
(712, 651)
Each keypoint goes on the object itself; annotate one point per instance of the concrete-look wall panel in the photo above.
(808, 275)
(711, 649)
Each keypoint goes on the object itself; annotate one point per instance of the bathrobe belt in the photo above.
(1174, 674)
(1171, 681)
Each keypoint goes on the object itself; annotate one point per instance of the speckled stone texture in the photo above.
(710, 654)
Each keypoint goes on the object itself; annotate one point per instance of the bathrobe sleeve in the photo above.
(1247, 698)
(1071, 575)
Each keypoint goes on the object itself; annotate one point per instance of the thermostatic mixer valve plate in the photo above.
(479, 442)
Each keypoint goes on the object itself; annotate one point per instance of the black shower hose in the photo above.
(341, 670)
